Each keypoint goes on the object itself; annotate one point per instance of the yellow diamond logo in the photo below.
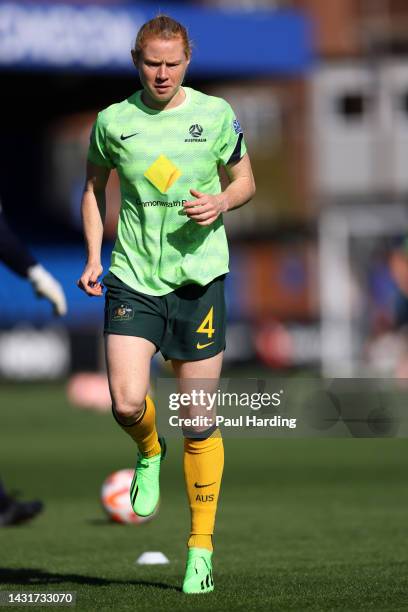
(162, 174)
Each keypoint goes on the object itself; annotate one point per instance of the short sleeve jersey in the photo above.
(159, 156)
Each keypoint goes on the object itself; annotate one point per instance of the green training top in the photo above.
(159, 157)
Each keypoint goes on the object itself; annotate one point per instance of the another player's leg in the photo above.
(203, 467)
(13, 511)
(128, 360)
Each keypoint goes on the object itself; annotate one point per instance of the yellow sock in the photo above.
(203, 466)
(143, 431)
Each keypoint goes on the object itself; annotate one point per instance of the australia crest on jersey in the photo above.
(196, 130)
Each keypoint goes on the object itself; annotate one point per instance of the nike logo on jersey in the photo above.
(122, 137)
(201, 346)
(198, 486)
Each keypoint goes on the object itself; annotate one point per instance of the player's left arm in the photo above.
(241, 189)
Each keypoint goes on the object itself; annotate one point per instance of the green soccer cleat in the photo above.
(199, 576)
(145, 487)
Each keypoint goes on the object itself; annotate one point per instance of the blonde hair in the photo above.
(165, 27)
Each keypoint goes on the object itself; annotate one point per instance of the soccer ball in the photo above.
(116, 501)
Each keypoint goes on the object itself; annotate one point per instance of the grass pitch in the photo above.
(303, 524)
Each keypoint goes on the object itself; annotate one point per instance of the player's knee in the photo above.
(128, 408)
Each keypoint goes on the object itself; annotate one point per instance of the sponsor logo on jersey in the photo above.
(162, 173)
(164, 203)
(124, 312)
(123, 137)
(237, 126)
(195, 131)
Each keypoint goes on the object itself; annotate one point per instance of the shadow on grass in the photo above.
(34, 577)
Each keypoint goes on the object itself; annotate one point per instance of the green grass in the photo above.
(303, 524)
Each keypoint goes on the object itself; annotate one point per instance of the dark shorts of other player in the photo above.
(187, 324)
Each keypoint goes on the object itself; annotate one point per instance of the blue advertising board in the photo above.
(98, 38)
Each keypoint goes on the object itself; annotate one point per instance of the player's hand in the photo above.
(89, 280)
(206, 208)
(45, 285)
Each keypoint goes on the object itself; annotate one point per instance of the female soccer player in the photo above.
(165, 286)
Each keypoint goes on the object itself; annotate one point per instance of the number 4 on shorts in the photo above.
(206, 327)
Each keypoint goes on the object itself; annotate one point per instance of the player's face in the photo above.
(162, 65)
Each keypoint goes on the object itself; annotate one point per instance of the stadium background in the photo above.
(317, 288)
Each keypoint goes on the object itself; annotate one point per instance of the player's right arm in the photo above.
(93, 208)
